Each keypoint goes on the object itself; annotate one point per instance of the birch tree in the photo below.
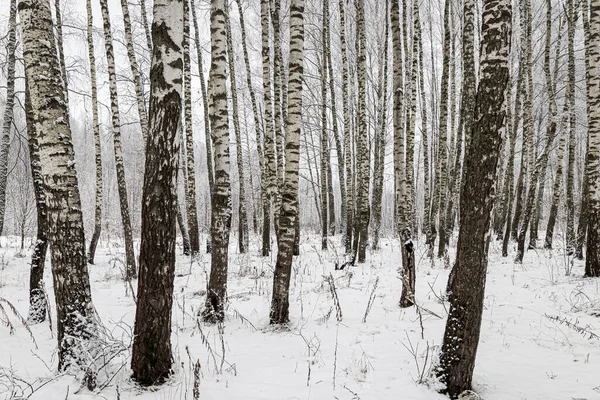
(76, 322)
(190, 160)
(131, 271)
(461, 337)
(96, 129)
(151, 359)
(214, 310)
(38, 306)
(289, 206)
(592, 165)
(8, 110)
(243, 239)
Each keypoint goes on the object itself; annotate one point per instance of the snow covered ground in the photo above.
(524, 353)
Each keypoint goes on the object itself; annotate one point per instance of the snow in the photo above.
(523, 354)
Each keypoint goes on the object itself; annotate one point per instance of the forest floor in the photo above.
(537, 340)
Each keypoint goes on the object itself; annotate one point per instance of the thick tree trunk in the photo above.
(151, 359)
(76, 322)
(8, 110)
(461, 337)
(96, 128)
(131, 271)
(216, 295)
(289, 209)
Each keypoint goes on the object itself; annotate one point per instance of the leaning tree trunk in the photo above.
(8, 110)
(76, 321)
(151, 359)
(289, 208)
(38, 305)
(190, 182)
(243, 240)
(363, 162)
(96, 128)
(466, 109)
(461, 337)
(216, 295)
(116, 128)
(205, 101)
(583, 214)
(592, 166)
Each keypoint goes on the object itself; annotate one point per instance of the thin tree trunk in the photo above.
(269, 139)
(185, 236)
(205, 101)
(135, 71)
(363, 163)
(461, 336)
(257, 123)
(289, 211)
(324, 136)
(96, 128)
(424, 128)
(76, 322)
(570, 203)
(243, 240)
(583, 215)
(131, 271)
(38, 305)
(347, 133)
(216, 295)
(151, 359)
(380, 133)
(190, 181)
(442, 175)
(8, 110)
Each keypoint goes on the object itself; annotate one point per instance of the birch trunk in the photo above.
(583, 215)
(243, 240)
(8, 110)
(363, 162)
(324, 143)
(570, 209)
(190, 181)
(131, 272)
(76, 322)
(96, 129)
(205, 101)
(135, 71)
(461, 337)
(289, 208)
(38, 306)
(592, 166)
(348, 205)
(216, 295)
(151, 359)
